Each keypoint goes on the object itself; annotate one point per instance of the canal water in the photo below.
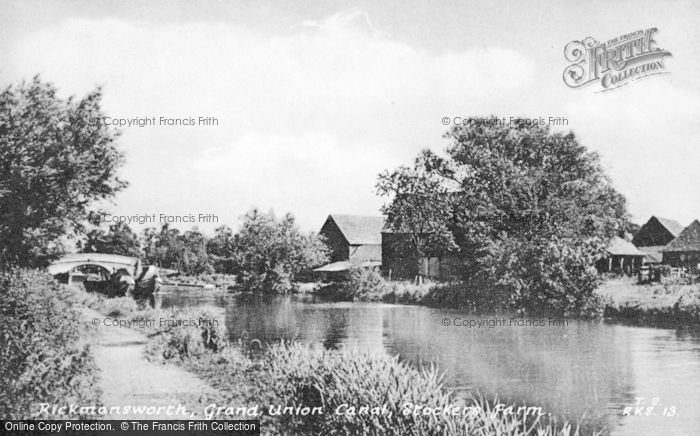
(594, 370)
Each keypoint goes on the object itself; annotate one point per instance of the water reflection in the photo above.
(586, 367)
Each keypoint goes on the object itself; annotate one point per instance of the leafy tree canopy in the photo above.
(269, 252)
(119, 239)
(54, 166)
(530, 210)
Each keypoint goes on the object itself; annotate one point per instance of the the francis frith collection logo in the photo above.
(614, 63)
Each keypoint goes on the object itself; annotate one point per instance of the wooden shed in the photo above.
(684, 251)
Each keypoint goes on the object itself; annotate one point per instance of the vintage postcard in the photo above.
(350, 217)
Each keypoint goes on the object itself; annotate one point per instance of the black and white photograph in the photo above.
(350, 217)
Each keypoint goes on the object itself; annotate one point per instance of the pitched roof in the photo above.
(653, 253)
(620, 247)
(360, 229)
(688, 240)
(672, 226)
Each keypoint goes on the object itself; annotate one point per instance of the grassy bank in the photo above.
(617, 298)
(651, 303)
(45, 348)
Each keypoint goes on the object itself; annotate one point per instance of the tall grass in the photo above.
(43, 354)
(299, 376)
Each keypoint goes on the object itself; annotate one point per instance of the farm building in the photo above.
(399, 260)
(654, 236)
(684, 251)
(352, 240)
(621, 256)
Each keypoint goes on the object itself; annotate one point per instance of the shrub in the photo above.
(362, 284)
(407, 292)
(118, 306)
(365, 284)
(43, 356)
(188, 334)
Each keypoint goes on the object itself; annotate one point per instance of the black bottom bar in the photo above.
(130, 427)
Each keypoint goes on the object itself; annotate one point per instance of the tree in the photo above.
(151, 249)
(54, 165)
(185, 252)
(532, 213)
(119, 239)
(221, 250)
(270, 252)
(420, 209)
(193, 259)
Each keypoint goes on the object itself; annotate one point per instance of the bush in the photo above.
(407, 292)
(118, 307)
(365, 284)
(188, 334)
(43, 356)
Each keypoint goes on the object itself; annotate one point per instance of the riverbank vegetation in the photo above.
(301, 378)
(366, 284)
(670, 303)
(45, 351)
(667, 303)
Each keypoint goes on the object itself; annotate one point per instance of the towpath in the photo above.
(127, 378)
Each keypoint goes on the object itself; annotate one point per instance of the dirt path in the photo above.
(128, 379)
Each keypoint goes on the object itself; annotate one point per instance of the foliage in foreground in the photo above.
(44, 358)
(299, 376)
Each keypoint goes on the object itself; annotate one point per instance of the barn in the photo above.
(684, 251)
(654, 235)
(352, 240)
(621, 257)
(399, 260)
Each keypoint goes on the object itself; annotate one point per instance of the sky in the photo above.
(314, 99)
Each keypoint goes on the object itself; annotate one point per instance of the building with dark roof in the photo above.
(657, 232)
(654, 235)
(684, 251)
(352, 240)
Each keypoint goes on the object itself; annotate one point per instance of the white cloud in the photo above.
(322, 96)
